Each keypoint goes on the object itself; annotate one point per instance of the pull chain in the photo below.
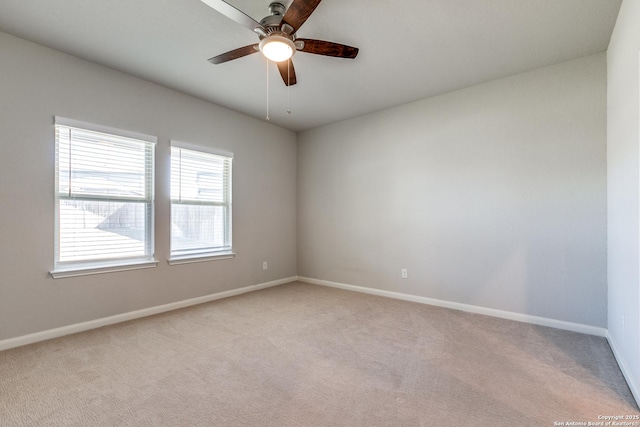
(267, 118)
(288, 85)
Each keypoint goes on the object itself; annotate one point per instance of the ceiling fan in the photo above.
(277, 33)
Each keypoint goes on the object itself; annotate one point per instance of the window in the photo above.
(200, 205)
(104, 198)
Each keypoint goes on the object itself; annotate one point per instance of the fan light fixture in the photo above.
(277, 48)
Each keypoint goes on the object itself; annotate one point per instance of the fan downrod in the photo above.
(272, 22)
(276, 8)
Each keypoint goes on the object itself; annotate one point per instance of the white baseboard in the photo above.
(118, 318)
(542, 321)
(624, 367)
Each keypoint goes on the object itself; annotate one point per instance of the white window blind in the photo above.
(104, 197)
(200, 203)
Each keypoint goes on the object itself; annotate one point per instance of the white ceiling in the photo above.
(409, 50)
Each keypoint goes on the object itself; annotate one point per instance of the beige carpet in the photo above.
(305, 355)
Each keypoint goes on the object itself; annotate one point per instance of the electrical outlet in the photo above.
(404, 273)
(265, 265)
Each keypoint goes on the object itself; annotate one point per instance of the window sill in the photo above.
(100, 268)
(192, 258)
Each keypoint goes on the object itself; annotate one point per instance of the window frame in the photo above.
(103, 265)
(196, 255)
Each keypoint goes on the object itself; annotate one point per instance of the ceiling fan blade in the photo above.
(287, 72)
(234, 54)
(234, 14)
(298, 12)
(321, 47)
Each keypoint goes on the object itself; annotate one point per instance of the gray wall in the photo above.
(492, 196)
(623, 167)
(37, 83)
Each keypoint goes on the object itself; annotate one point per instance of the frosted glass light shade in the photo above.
(277, 48)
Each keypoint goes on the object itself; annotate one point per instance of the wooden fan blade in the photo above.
(287, 72)
(234, 14)
(234, 54)
(321, 47)
(298, 12)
